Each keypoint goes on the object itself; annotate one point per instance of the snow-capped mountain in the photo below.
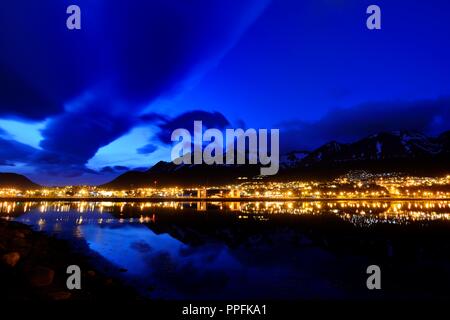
(399, 151)
(381, 146)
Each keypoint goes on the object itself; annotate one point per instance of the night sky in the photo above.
(83, 106)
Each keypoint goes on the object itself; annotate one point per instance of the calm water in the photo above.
(256, 250)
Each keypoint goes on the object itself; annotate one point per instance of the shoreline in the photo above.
(197, 199)
(33, 267)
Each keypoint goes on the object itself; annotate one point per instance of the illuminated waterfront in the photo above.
(355, 185)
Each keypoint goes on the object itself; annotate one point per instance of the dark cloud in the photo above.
(147, 149)
(427, 116)
(120, 168)
(186, 120)
(12, 152)
(114, 169)
(127, 54)
(20, 99)
(7, 163)
(135, 50)
(63, 170)
(43, 65)
(74, 137)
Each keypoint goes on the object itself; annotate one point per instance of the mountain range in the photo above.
(398, 151)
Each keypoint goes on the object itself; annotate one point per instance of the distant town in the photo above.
(354, 185)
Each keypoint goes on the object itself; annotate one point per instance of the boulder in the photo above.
(20, 235)
(41, 276)
(11, 259)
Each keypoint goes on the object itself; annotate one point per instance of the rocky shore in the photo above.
(33, 267)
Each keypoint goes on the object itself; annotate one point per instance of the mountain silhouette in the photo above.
(16, 181)
(398, 151)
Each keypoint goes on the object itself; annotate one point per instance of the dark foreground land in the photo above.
(33, 268)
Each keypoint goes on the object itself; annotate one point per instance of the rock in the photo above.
(21, 243)
(60, 295)
(91, 273)
(20, 235)
(108, 282)
(41, 276)
(11, 259)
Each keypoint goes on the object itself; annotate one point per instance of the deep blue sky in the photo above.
(83, 106)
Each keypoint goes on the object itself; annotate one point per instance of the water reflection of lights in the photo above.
(358, 212)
